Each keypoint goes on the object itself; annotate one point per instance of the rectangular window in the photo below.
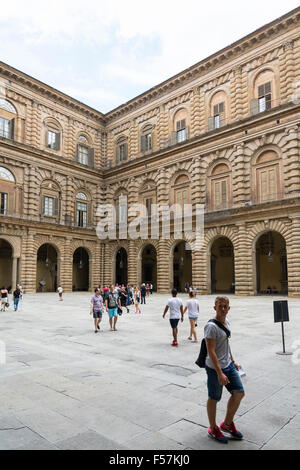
(268, 184)
(122, 213)
(81, 214)
(83, 155)
(182, 198)
(3, 203)
(265, 97)
(219, 110)
(53, 140)
(148, 142)
(4, 128)
(122, 152)
(217, 121)
(149, 206)
(48, 206)
(220, 194)
(181, 131)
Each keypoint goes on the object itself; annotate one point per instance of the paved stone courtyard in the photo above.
(65, 387)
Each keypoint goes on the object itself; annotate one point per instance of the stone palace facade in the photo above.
(223, 133)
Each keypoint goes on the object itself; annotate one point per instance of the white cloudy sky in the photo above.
(104, 53)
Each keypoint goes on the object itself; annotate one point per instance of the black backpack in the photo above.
(203, 349)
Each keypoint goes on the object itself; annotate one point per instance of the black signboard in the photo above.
(281, 311)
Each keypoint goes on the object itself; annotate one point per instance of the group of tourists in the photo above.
(221, 368)
(17, 296)
(113, 299)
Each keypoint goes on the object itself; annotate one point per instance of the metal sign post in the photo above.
(281, 315)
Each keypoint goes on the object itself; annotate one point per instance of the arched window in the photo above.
(7, 192)
(85, 152)
(7, 119)
(220, 197)
(181, 190)
(53, 134)
(218, 111)
(147, 196)
(82, 210)
(121, 150)
(267, 176)
(264, 92)
(180, 127)
(50, 200)
(120, 203)
(147, 138)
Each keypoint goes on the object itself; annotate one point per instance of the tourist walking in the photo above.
(143, 294)
(112, 303)
(60, 293)
(176, 311)
(96, 309)
(137, 298)
(16, 298)
(124, 298)
(222, 370)
(192, 306)
(4, 298)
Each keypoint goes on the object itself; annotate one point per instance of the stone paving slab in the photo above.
(63, 386)
(90, 441)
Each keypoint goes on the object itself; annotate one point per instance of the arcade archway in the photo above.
(6, 253)
(271, 264)
(222, 266)
(121, 267)
(182, 266)
(81, 270)
(46, 271)
(149, 266)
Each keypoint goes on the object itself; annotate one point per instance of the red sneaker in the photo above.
(217, 435)
(232, 431)
(175, 344)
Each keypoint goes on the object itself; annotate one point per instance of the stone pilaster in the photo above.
(29, 265)
(164, 276)
(293, 258)
(243, 262)
(291, 168)
(132, 264)
(66, 266)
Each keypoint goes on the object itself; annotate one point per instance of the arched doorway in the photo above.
(81, 270)
(46, 271)
(182, 266)
(271, 264)
(149, 266)
(121, 267)
(222, 266)
(6, 253)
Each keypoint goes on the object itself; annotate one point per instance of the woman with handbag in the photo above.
(4, 299)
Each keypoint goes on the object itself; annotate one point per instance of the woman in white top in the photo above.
(137, 299)
(192, 306)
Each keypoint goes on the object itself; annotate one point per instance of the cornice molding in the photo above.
(253, 40)
(256, 39)
(47, 91)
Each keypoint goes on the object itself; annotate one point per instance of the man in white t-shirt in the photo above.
(176, 311)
